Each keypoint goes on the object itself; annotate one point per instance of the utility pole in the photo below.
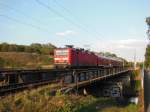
(148, 31)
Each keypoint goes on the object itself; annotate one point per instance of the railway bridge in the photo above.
(105, 78)
(108, 82)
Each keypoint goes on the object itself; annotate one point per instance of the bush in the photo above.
(137, 85)
(2, 62)
(135, 74)
(33, 48)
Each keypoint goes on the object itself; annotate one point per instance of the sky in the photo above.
(116, 26)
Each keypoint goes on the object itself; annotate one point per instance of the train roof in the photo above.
(79, 49)
(95, 53)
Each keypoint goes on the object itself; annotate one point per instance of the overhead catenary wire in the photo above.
(64, 17)
(25, 15)
(59, 14)
(76, 18)
(24, 23)
(21, 13)
(36, 20)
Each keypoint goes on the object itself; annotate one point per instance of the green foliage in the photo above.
(129, 108)
(108, 54)
(39, 100)
(1, 63)
(58, 93)
(33, 48)
(147, 57)
(137, 85)
(112, 55)
(136, 82)
(129, 64)
(135, 74)
(140, 65)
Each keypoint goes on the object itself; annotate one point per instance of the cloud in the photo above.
(129, 43)
(65, 33)
(124, 48)
(123, 44)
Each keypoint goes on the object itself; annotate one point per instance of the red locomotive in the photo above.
(71, 57)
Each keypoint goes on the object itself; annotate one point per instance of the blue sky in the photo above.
(116, 26)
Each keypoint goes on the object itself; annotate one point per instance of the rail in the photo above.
(68, 78)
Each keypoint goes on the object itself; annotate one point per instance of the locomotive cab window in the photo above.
(61, 52)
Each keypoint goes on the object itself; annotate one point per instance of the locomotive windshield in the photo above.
(61, 52)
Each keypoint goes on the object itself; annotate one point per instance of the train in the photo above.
(70, 57)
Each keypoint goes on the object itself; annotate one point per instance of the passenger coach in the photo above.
(72, 57)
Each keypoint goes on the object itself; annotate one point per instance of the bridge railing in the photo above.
(91, 74)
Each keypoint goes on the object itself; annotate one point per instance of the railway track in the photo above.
(16, 87)
(81, 77)
(15, 71)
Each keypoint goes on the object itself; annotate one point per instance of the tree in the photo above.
(147, 57)
(47, 48)
(20, 48)
(12, 47)
(107, 54)
(4, 47)
(2, 62)
(33, 48)
(36, 47)
(28, 49)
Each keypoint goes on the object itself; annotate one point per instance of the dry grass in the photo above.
(41, 100)
(137, 77)
(141, 101)
(28, 60)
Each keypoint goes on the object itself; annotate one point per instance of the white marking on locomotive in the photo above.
(61, 58)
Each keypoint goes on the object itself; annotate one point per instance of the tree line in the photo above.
(32, 48)
(107, 54)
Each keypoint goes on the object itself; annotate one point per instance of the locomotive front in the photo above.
(61, 57)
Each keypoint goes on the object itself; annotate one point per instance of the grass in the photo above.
(135, 74)
(41, 100)
(129, 108)
(24, 60)
(108, 105)
(27, 101)
(136, 81)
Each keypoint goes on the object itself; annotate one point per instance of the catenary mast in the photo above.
(148, 31)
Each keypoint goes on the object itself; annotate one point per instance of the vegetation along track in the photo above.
(13, 88)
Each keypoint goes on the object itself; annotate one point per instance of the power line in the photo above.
(75, 17)
(21, 13)
(57, 13)
(35, 26)
(24, 23)
(21, 22)
(61, 15)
